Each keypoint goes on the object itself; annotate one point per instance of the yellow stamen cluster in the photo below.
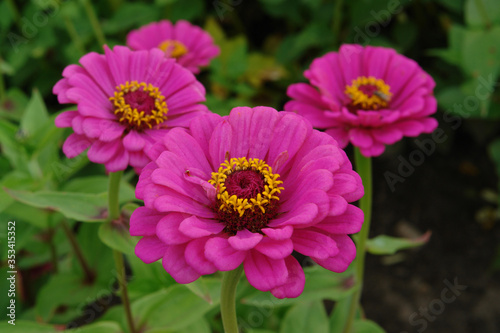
(271, 185)
(377, 100)
(174, 48)
(135, 118)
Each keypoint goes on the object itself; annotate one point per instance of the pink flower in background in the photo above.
(248, 188)
(369, 96)
(126, 100)
(189, 44)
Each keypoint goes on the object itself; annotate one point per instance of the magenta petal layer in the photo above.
(404, 110)
(199, 44)
(265, 151)
(115, 139)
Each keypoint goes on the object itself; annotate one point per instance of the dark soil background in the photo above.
(446, 194)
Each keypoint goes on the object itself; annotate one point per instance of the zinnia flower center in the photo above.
(173, 48)
(368, 93)
(139, 105)
(247, 194)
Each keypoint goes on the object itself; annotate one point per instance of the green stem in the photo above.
(337, 20)
(73, 34)
(228, 300)
(94, 22)
(122, 283)
(113, 215)
(89, 273)
(364, 169)
(113, 193)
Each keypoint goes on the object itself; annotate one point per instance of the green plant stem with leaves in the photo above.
(94, 21)
(230, 280)
(114, 215)
(364, 169)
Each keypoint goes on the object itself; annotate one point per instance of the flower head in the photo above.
(249, 188)
(369, 96)
(125, 100)
(190, 45)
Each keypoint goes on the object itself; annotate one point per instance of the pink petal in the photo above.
(295, 282)
(118, 162)
(182, 144)
(223, 255)
(168, 232)
(275, 249)
(302, 215)
(244, 240)
(101, 152)
(195, 257)
(340, 262)
(175, 264)
(278, 233)
(348, 223)
(112, 131)
(149, 249)
(360, 138)
(338, 205)
(198, 227)
(263, 272)
(64, 118)
(220, 143)
(314, 244)
(143, 222)
(75, 144)
(133, 141)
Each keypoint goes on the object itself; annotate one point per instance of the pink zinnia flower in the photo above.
(192, 46)
(370, 96)
(126, 100)
(248, 188)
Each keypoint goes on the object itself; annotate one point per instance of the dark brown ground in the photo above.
(444, 195)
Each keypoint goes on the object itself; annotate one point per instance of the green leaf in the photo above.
(97, 185)
(35, 117)
(101, 327)
(320, 284)
(480, 16)
(339, 315)
(25, 213)
(117, 237)
(187, 10)
(129, 15)
(66, 292)
(14, 104)
(385, 245)
(199, 326)
(174, 308)
(366, 326)
(25, 326)
(79, 206)
(306, 317)
(11, 148)
(481, 52)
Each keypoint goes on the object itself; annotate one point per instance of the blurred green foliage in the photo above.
(265, 46)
